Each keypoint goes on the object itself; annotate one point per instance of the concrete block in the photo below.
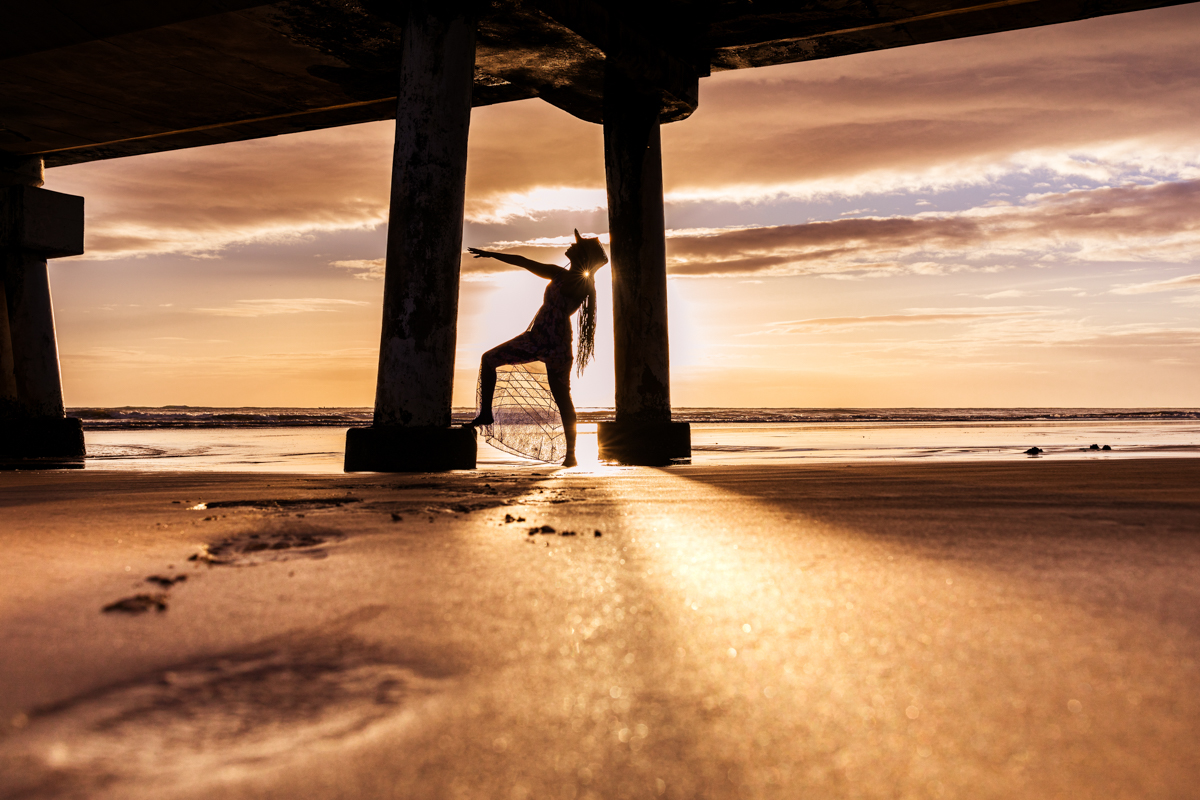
(399, 449)
(647, 444)
(24, 439)
(21, 170)
(41, 221)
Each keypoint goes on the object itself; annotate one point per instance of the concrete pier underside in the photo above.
(104, 79)
(82, 81)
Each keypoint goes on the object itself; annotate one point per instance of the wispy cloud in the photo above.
(367, 269)
(252, 367)
(1182, 282)
(272, 307)
(924, 317)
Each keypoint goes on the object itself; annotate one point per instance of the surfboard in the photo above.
(527, 422)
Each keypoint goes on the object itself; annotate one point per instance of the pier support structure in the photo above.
(411, 428)
(642, 432)
(35, 224)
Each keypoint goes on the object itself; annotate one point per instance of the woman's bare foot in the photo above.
(483, 419)
(570, 461)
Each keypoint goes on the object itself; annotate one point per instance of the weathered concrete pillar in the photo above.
(643, 432)
(8, 379)
(31, 331)
(411, 430)
(35, 224)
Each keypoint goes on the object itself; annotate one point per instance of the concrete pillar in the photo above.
(420, 296)
(8, 380)
(643, 432)
(36, 376)
(35, 224)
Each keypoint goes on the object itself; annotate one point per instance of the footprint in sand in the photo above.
(274, 541)
(196, 720)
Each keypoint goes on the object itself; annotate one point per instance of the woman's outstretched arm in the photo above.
(546, 271)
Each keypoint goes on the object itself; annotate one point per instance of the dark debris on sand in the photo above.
(138, 604)
(166, 582)
(548, 529)
(308, 503)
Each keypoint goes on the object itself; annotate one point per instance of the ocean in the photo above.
(311, 440)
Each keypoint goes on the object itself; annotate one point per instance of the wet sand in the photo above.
(1028, 628)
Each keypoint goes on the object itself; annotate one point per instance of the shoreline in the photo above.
(138, 417)
(320, 449)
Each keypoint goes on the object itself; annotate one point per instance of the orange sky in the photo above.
(1006, 220)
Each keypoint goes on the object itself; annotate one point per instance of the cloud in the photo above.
(249, 369)
(366, 269)
(1010, 334)
(273, 307)
(201, 201)
(1182, 282)
(1128, 223)
(925, 318)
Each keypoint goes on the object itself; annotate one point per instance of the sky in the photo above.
(1006, 220)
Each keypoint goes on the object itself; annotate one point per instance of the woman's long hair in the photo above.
(586, 346)
(594, 257)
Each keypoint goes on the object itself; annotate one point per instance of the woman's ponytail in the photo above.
(586, 345)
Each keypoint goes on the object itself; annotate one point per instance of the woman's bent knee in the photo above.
(491, 359)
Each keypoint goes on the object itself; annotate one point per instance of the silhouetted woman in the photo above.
(548, 338)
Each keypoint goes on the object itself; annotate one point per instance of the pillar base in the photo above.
(399, 449)
(22, 439)
(648, 444)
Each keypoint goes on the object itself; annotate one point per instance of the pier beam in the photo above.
(35, 225)
(411, 428)
(643, 432)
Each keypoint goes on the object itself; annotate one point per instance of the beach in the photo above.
(956, 627)
(882, 316)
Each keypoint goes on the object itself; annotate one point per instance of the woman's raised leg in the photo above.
(487, 385)
(517, 350)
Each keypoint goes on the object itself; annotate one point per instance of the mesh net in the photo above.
(527, 422)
